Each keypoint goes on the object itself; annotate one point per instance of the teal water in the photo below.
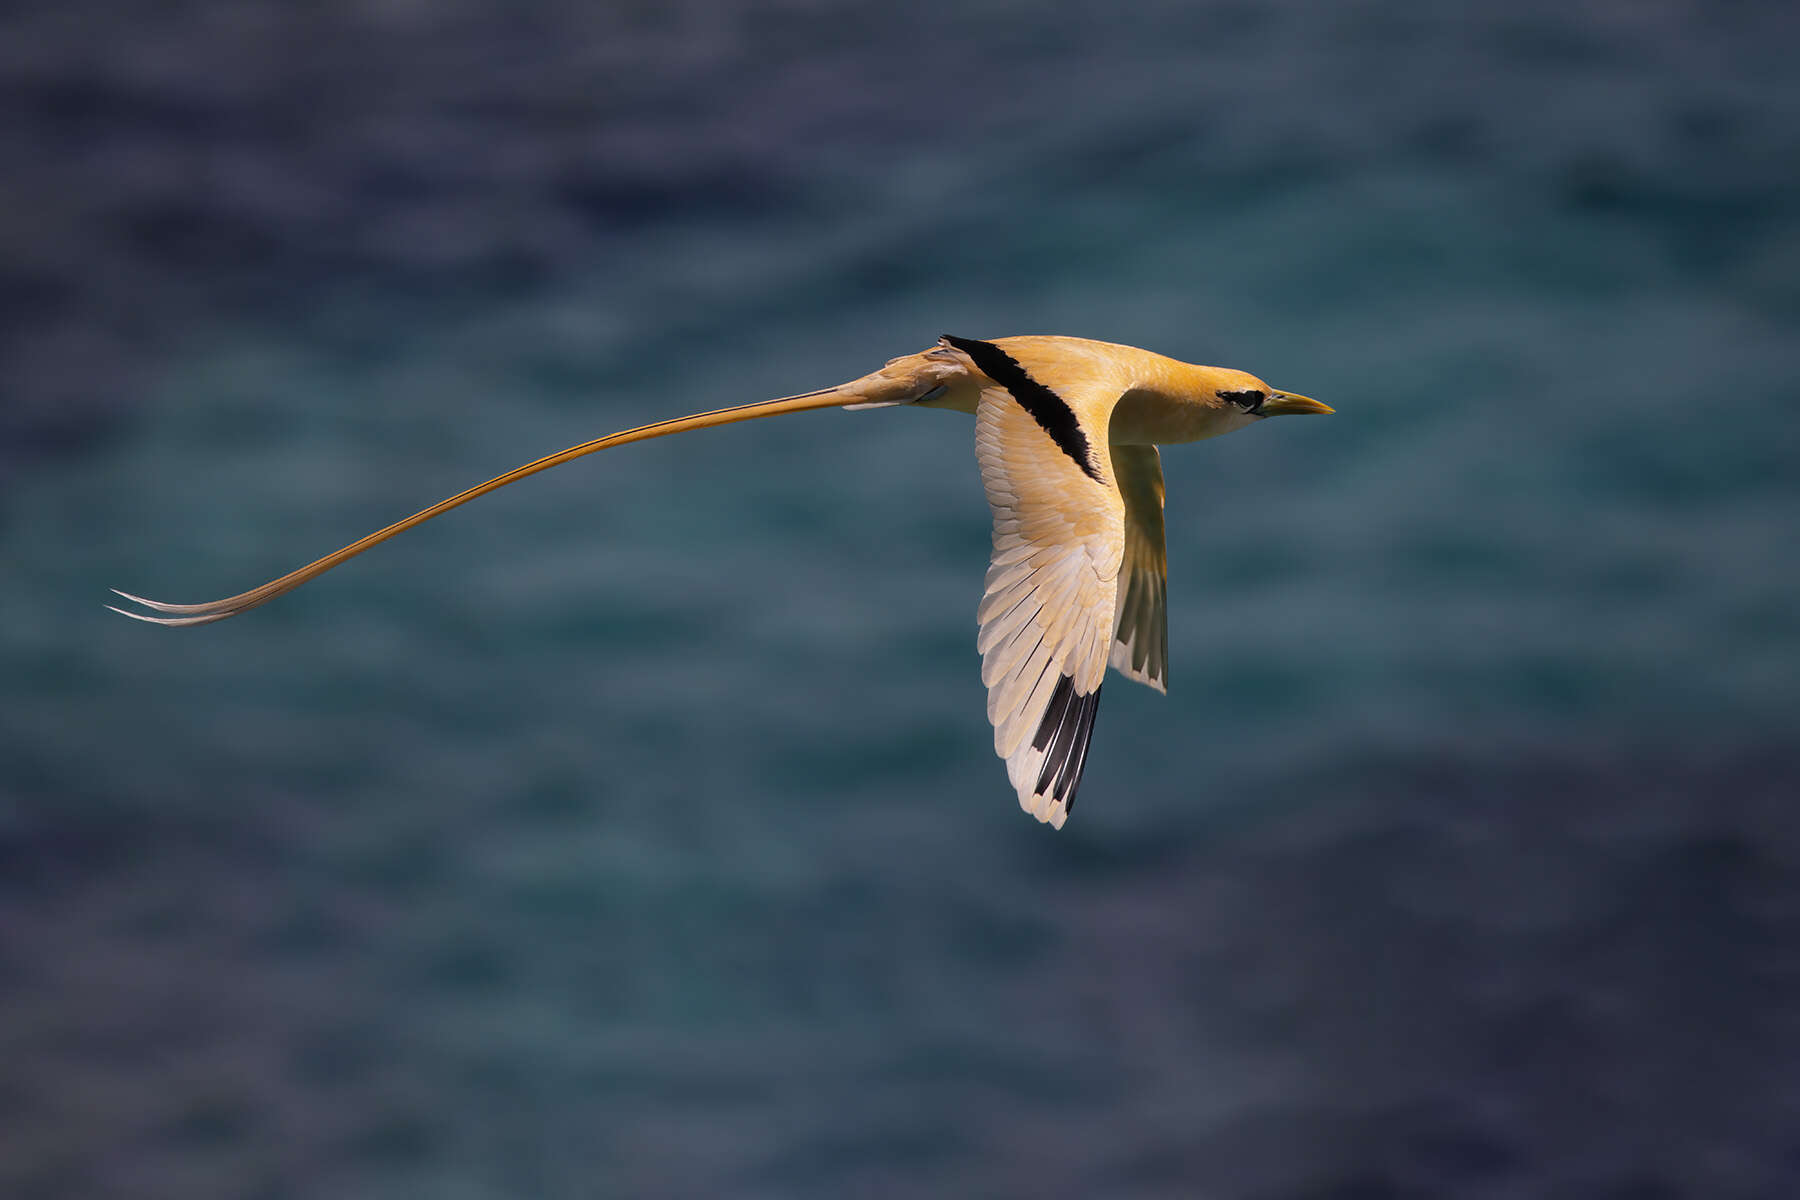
(636, 831)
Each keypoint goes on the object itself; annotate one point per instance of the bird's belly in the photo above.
(960, 395)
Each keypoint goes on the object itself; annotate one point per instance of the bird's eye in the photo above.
(1250, 400)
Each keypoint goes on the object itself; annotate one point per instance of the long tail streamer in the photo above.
(231, 606)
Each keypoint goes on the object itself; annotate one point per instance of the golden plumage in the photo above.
(1066, 431)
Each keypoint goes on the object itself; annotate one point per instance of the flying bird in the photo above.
(1066, 431)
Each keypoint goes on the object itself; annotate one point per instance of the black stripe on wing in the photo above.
(1063, 736)
(1047, 408)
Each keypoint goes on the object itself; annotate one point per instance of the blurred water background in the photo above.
(636, 832)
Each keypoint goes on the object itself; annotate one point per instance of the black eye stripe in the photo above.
(1250, 400)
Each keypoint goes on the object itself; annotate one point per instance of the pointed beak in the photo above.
(1284, 404)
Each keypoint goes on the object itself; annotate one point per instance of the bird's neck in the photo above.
(1169, 403)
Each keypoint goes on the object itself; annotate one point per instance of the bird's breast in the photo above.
(1147, 416)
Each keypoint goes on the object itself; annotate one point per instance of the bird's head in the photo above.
(1183, 402)
(1245, 394)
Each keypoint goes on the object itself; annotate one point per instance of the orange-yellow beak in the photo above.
(1283, 404)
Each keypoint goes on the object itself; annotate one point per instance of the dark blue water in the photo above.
(636, 831)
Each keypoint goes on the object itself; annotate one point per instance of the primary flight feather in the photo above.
(1066, 431)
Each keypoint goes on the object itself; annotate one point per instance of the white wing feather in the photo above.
(1046, 615)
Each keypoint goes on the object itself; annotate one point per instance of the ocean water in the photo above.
(636, 831)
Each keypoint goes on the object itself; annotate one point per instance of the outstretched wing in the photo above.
(1140, 648)
(1047, 615)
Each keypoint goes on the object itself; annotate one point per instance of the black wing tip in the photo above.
(1063, 734)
